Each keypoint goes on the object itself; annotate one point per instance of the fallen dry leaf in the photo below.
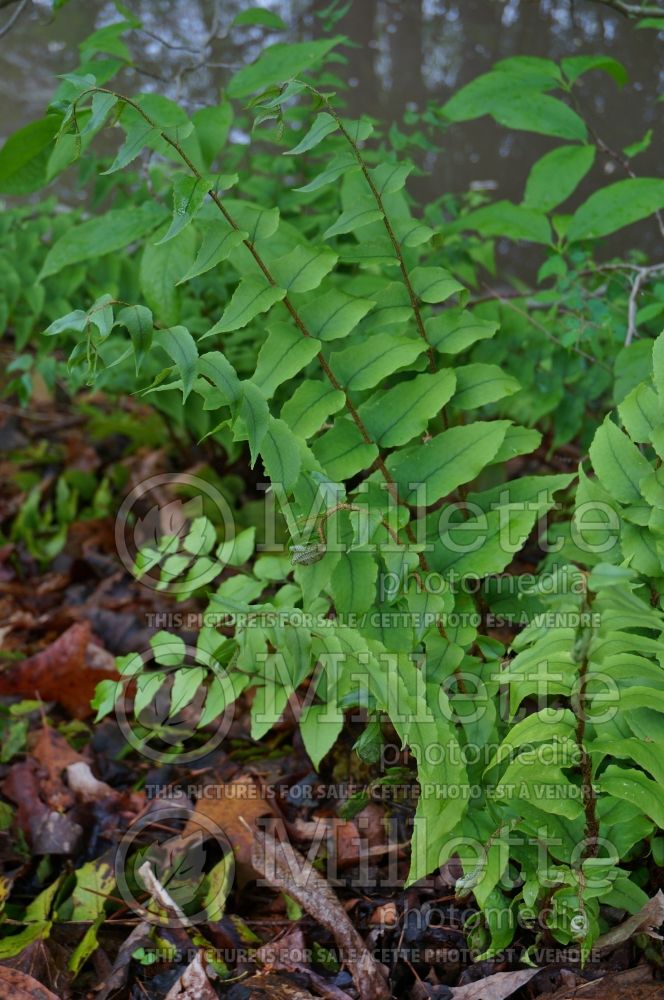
(646, 921)
(140, 937)
(287, 871)
(20, 986)
(628, 985)
(62, 672)
(495, 987)
(193, 984)
(235, 809)
(47, 830)
(54, 754)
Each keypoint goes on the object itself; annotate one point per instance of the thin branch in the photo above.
(386, 222)
(13, 19)
(547, 333)
(632, 10)
(613, 154)
(642, 275)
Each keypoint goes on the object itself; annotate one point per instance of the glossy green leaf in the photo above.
(322, 127)
(396, 416)
(364, 366)
(309, 406)
(618, 463)
(102, 235)
(181, 349)
(334, 315)
(283, 355)
(478, 384)
(556, 176)
(451, 458)
(615, 206)
(278, 63)
(303, 268)
(251, 297)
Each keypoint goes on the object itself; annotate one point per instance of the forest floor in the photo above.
(81, 808)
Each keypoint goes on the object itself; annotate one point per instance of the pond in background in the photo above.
(406, 55)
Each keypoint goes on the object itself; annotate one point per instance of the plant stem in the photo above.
(579, 706)
(378, 198)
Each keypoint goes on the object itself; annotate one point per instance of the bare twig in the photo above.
(632, 10)
(13, 19)
(289, 872)
(642, 274)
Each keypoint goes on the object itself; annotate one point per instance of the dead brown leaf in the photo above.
(235, 808)
(61, 672)
(646, 921)
(16, 985)
(495, 987)
(193, 984)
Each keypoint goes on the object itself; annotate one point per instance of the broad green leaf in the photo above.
(531, 784)
(488, 91)
(540, 727)
(339, 165)
(237, 550)
(451, 458)
(189, 193)
(218, 369)
(95, 881)
(309, 406)
(259, 15)
(283, 355)
(319, 731)
(139, 135)
(334, 315)
(259, 223)
(454, 330)
(618, 463)
(278, 63)
(556, 175)
(434, 284)
(478, 384)
(355, 218)
(255, 417)
(280, 454)
(322, 126)
(138, 321)
(574, 66)
(25, 154)
(390, 177)
(353, 582)
(641, 413)
(658, 366)
(633, 786)
(363, 367)
(252, 296)
(615, 206)
(342, 451)
(398, 415)
(101, 235)
(505, 219)
(219, 239)
(102, 105)
(303, 268)
(162, 266)
(481, 545)
(517, 441)
(181, 349)
(212, 125)
(540, 113)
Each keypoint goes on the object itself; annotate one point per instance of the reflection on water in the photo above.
(407, 54)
